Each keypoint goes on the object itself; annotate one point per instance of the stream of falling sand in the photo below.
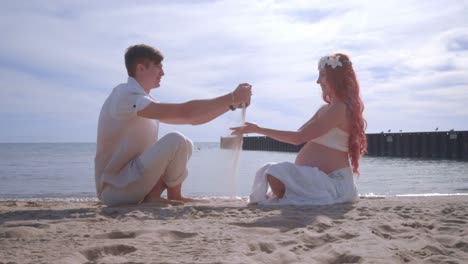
(236, 148)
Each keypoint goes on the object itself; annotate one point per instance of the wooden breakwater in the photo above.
(437, 145)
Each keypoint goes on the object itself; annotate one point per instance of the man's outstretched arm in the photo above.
(197, 112)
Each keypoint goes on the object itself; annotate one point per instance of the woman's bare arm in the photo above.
(330, 117)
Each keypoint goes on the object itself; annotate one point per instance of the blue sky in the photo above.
(60, 59)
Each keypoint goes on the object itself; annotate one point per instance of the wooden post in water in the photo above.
(464, 145)
(404, 145)
(443, 145)
(392, 145)
(371, 146)
(276, 145)
(397, 139)
(434, 143)
(259, 143)
(376, 144)
(415, 139)
(246, 142)
(425, 147)
(453, 146)
(376, 147)
(383, 145)
(264, 143)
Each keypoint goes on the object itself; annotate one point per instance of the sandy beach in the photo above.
(377, 230)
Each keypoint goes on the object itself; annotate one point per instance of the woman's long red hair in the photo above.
(342, 80)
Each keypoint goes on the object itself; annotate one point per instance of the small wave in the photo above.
(95, 199)
(51, 199)
(373, 195)
(430, 194)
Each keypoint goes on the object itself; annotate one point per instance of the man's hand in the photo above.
(241, 95)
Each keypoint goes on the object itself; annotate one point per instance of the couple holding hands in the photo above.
(132, 165)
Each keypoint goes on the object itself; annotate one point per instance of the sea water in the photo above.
(65, 171)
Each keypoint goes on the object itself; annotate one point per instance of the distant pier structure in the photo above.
(436, 145)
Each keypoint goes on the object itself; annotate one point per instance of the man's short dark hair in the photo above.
(141, 54)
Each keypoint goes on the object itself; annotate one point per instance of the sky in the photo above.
(59, 60)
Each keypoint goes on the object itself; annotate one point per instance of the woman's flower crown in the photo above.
(331, 61)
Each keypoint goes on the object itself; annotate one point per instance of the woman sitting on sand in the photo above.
(334, 141)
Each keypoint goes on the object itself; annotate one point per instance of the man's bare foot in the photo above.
(160, 200)
(193, 200)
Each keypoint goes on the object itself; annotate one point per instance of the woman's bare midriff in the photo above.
(324, 158)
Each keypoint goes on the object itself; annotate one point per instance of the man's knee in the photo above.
(179, 140)
(175, 138)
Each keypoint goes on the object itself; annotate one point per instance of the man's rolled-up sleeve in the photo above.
(128, 104)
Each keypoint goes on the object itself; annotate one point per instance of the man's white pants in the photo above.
(167, 158)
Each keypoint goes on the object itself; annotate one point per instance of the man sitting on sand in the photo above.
(131, 164)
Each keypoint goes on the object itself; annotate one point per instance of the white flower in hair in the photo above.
(330, 61)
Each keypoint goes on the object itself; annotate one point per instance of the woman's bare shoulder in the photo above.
(339, 106)
(319, 111)
(322, 108)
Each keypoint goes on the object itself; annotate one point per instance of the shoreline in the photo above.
(91, 198)
(373, 230)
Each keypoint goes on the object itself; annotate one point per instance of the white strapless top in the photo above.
(335, 138)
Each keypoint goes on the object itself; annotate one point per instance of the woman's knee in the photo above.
(274, 180)
(276, 185)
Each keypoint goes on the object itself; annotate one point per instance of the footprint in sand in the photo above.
(447, 211)
(462, 245)
(35, 225)
(20, 232)
(162, 235)
(310, 240)
(390, 232)
(418, 225)
(283, 225)
(365, 212)
(381, 234)
(453, 221)
(263, 246)
(120, 234)
(450, 229)
(450, 241)
(94, 254)
(428, 251)
(302, 247)
(347, 236)
(346, 258)
(170, 235)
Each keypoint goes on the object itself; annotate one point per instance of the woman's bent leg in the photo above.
(277, 187)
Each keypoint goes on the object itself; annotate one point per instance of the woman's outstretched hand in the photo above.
(247, 128)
